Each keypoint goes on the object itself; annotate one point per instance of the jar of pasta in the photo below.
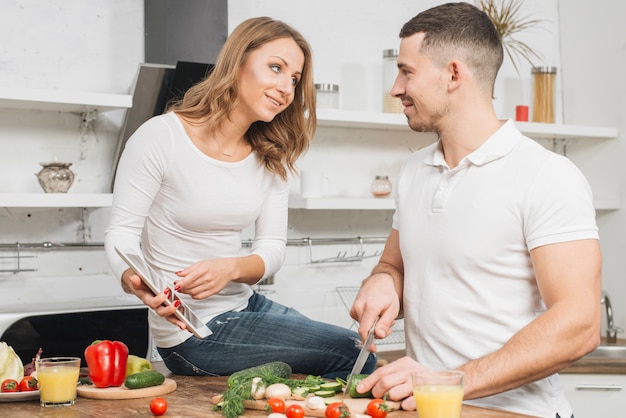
(543, 94)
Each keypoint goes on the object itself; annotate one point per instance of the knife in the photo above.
(362, 358)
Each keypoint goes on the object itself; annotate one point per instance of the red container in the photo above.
(521, 113)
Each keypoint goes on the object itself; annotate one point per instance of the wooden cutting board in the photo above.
(356, 405)
(122, 392)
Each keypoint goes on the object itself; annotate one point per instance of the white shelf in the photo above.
(370, 203)
(333, 118)
(333, 203)
(103, 200)
(552, 131)
(397, 121)
(362, 120)
(55, 200)
(607, 204)
(62, 101)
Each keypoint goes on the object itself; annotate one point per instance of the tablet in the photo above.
(184, 313)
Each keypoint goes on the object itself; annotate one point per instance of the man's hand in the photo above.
(394, 380)
(376, 297)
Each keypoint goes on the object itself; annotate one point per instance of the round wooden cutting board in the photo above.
(122, 392)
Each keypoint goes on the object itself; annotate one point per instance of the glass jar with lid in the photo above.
(390, 71)
(327, 96)
(543, 94)
(381, 186)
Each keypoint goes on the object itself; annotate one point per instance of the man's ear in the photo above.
(455, 74)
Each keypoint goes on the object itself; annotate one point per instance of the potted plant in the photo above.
(509, 22)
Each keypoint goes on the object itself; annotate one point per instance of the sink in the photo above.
(608, 351)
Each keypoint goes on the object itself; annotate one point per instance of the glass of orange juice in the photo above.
(58, 379)
(438, 393)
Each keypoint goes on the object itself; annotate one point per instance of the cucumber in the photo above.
(324, 393)
(351, 391)
(144, 379)
(277, 368)
(334, 386)
(300, 391)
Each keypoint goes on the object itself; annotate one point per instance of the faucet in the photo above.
(611, 329)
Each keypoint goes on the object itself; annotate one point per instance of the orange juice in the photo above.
(438, 401)
(58, 379)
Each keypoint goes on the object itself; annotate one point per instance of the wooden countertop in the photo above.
(191, 399)
(599, 365)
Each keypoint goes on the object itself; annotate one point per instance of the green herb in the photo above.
(232, 399)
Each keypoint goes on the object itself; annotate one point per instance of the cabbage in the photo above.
(11, 366)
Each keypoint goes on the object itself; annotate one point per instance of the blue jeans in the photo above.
(263, 332)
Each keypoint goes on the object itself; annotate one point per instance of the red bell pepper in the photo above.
(106, 361)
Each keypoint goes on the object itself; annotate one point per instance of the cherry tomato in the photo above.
(337, 410)
(294, 411)
(276, 405)
(377, 408)
(28, 383)
(158, 406)
(9, 385)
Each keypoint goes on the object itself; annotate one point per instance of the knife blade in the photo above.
(362, 357)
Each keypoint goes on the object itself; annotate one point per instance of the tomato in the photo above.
(158, 406)
(294, 411)
(9, 385)
(337, 410)
(377, 408)
(28, 383)
(276, 405)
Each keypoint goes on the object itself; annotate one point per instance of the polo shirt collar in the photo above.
(496, 146)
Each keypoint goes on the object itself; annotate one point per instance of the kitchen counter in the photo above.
(599, 365)
(583, 366)
(190, 399)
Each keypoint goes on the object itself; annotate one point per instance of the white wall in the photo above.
(584, 40)
(90, 46)
(349, 36)
(96, 45)
(593, 44)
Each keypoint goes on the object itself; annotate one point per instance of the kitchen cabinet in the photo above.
(595, 395)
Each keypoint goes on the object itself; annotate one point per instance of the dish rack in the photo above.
(348, 294)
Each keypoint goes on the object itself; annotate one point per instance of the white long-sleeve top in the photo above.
(178, 206)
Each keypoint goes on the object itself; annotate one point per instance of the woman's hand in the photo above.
(132, 283)
(206, 278)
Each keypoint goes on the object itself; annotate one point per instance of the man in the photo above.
(493, 258)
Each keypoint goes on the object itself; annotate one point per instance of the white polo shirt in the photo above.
(465, 237)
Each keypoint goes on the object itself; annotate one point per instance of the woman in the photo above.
(191, 180)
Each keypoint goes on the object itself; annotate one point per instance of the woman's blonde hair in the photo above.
(280, 142)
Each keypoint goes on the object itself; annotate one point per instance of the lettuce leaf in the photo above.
(11, 366)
